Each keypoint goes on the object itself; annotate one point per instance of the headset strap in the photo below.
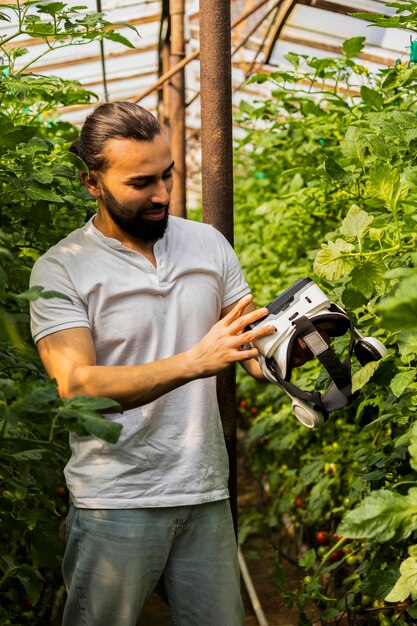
(313, 397)
(339, 393)
(339, 371)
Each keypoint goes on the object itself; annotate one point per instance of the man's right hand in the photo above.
(227, 341)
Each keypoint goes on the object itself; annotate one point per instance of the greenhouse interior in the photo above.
(270, 371)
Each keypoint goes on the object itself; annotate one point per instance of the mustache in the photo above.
(156, 206)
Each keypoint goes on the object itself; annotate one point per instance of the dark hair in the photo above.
(110, 121)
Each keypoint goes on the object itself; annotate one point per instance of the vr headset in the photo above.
(304, 311)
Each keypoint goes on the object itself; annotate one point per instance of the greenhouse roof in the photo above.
(312, 27)
(260, 43)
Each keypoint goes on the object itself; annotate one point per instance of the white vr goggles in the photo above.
(304, 310)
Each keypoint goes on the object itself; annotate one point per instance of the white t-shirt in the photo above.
(171, 452)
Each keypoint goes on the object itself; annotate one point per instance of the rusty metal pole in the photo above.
(217, 173)
(177, 108)
(165, 63)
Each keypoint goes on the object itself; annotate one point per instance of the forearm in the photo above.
(69, 357)
(131, 385)
(253, 368)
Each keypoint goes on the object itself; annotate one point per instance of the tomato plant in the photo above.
(40, 202)
(326, 187)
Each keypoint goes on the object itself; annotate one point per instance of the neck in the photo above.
(105, 225)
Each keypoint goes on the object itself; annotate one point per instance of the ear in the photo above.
(90, 181)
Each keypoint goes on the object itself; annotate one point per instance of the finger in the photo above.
(239, 308)
(257, 333)
(247, 353)
(244, 320)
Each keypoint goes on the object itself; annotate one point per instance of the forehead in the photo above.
(130, 157)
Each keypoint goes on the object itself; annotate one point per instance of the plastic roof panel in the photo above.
(314, 27)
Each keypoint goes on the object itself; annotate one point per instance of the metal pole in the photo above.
(177, 108)
(217, 173)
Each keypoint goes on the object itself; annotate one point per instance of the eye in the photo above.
(139, 184)
(167, 175)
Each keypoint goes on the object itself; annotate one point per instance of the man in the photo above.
(158, 307)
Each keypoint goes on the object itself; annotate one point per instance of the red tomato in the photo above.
(321, 537)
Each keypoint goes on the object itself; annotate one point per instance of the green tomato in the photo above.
(321, 550)
(366, 600)
(352, 559)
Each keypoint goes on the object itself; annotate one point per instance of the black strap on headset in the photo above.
(339, 393)
(339, 372)
(313, 397)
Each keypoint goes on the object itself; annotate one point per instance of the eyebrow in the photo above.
(135, 178)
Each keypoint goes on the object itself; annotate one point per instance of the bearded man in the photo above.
(157, 307)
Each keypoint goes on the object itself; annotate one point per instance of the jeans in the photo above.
(115, 558)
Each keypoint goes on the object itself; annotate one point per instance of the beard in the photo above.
(135, 224)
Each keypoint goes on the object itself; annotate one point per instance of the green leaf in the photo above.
(39, 400)
(412, 449)
(400, 310)
(336, 171)
(382, 516)
(372, 98)
(36, 454)
(36, 192)
(401, 381)
(81, 412)
(258, 79)
(100, 426)
(407, 342)
(307, 560)
(406, 585)
(332, 261)
(378, 584)
(51, 8)
(412, 610)
(95, 404)
(37, 291)
(44, 177)
(356, 223)
(361, 377)
(31, 580)
(118, 38)
(352, 298)
(368, 279)
(353, 46)
(355, 144)
(384, 183)
(381, 147)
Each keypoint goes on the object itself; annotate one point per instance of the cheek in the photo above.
(132, 197)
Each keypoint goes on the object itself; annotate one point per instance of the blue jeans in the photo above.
(115, 558)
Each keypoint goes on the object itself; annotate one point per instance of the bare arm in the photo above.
(69, 357)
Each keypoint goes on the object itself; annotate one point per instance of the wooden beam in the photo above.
(334, 49)
(350, 6)
(91, 59)
(283, 14)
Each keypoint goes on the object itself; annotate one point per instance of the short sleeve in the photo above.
(234, 283)
(50, 315)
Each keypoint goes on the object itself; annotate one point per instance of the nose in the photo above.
(161, 192)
